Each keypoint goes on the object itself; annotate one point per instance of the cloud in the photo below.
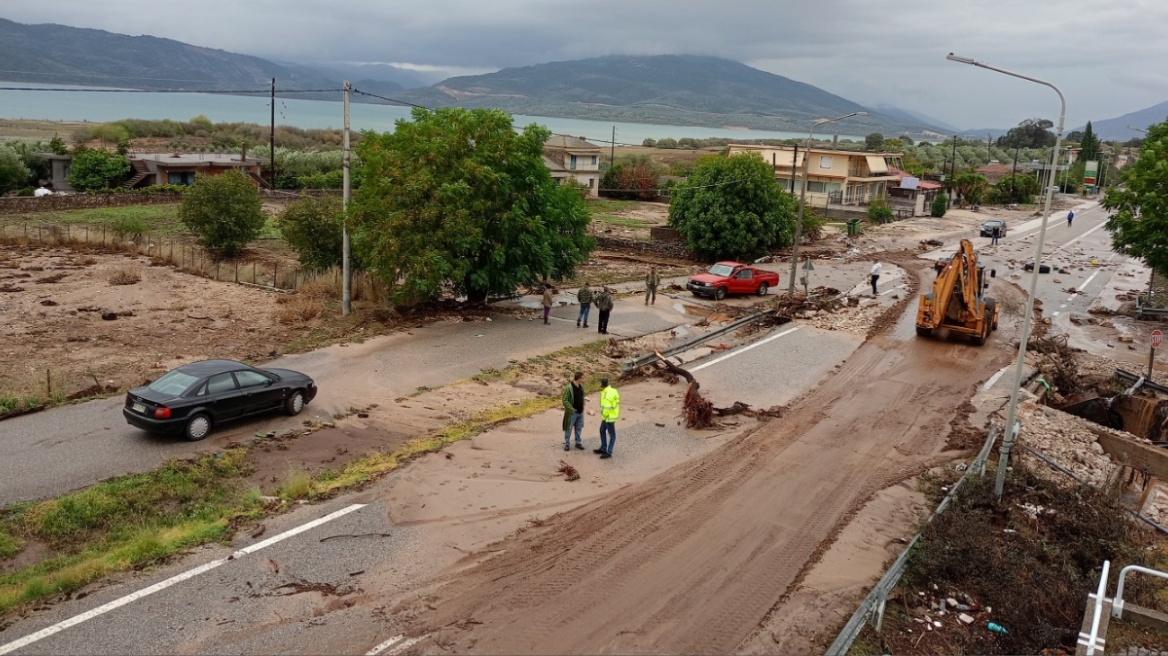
(1105, 57)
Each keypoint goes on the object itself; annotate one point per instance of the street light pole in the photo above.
(803, 193)
(1009, 434)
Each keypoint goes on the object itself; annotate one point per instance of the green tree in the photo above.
(224, 210)
(1089, 145)
(939, 207)
(13, 173)
(971, 187)
(874, 141)
(57, 145)
(456, 198)
(313, 227)
(1031, 133)
(110, 133)
(632, 177)
(732, 207)
(92, 170)
(1018, 188)
(1139, 219)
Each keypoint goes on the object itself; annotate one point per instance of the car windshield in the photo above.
(720, 270)
(173, 383)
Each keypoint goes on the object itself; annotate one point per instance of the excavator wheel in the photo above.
(924, 332)
(992, 311)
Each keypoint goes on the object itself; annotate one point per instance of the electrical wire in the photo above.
(392, 100)
(236, 92)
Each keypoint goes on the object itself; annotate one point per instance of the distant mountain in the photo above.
(381, 73)
(1116, 129)
(670, 89)
(909, 116)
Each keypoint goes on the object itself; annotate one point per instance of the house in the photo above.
(163, 168)
(910, 195)
(572, 158)
(180, 168)
(994, 171)
(834, 177)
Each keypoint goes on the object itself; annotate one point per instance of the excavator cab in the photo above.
(957, 302)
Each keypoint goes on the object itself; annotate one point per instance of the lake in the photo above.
(99, 106)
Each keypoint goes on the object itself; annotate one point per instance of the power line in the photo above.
(215, 91)
(392, 100)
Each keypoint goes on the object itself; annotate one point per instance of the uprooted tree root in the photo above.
(700, 413)
(569, 471)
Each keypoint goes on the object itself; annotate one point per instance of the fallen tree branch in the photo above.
(699, 413)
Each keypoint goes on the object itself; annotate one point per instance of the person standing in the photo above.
(995, 233)
(609, 413)
(874, 274)
(604, 306)
(573, 401)
(1070, 217)
(651, 282)
(584, 296)
(547, 302)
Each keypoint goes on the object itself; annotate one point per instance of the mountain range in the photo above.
(663, 89)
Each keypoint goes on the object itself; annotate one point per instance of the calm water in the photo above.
(101, 106)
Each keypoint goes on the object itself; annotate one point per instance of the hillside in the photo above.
(58, 54)
(672, 89)
(1116, 129)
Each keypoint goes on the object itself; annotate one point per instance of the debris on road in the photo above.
(570, 472)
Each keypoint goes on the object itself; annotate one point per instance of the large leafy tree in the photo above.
(732, 207)
(1139, 219)
(93, 170)
(224, 210)
(13, 173)
(632, 178)
(1031, 133)
(457, 199)
(971, 187)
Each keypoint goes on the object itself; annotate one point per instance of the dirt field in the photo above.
(67, 327)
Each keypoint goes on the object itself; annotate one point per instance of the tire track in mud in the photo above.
(696, 558)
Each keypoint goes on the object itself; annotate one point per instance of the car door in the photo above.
(259, 391)
(743, 281)
(221, 396)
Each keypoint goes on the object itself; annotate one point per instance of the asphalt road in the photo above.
(48, 453)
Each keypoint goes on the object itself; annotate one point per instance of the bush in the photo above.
(124, 275)
(313, 228)
(939, 207)
(93, 170)
(879, 212)
(813, 223)
(224, 210)
(129, 228)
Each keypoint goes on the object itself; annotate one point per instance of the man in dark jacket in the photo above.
(573, 402)
(604, 307)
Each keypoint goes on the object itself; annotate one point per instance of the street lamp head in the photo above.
(963, 60)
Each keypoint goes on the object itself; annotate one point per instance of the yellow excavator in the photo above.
(956, 302)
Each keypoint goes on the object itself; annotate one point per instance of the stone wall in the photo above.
(31, 204)
(664, 248)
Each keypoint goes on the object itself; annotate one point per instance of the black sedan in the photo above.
(197, 396)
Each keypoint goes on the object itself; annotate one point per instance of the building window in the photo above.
(825, 162)
(594, 160)
(180, 177)
(572, 165)
(815, 186)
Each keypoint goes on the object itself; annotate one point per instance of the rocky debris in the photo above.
(1068, 441)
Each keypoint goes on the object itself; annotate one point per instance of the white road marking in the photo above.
(1063, 305)
(993, 379)
(1054, 314)
(889, 291)
(162, 585)
(403, 646)
(1062, 246)
(744, 349)
(1088, 280)
(399, 648)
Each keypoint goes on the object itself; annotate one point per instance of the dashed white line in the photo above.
(162, 585)
(1063, 305)
(1054, 314)
(1087, 281)
(393, 642)
(993, 379)
(889, 291)
(744, 349)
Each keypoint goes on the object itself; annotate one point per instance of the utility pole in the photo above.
(1014, 179)
(612, 149)
(794, 160)
(346, 272)
(953, 170)
(272, 141)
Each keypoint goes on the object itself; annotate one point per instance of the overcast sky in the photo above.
(1108, 57)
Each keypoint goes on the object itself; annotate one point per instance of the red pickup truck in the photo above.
(732, 278)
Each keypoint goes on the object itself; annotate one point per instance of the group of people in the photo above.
(573, 401)
(602, 298)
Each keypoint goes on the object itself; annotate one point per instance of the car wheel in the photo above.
(719, 293)
(198, 427)
(762, 289)
(295, 403)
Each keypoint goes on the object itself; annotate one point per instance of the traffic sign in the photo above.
(1157, 337)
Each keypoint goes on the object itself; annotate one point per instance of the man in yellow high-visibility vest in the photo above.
(609, 413)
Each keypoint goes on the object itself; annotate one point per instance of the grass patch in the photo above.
(157, 219)
(612, 219)
(123, 523)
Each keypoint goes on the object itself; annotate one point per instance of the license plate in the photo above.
(139, 408)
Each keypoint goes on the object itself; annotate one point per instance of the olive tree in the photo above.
(224, 210)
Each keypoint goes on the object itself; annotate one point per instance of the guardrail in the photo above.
(1117, 603)
(1130, 378)
(636, 363)
(1143, 309)
(873, 604)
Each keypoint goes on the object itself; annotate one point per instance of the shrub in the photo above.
(224, 210)
(124, 275)
(313, 228)
(940, 206)
(879, 212)
(299, 308)
(129, 228)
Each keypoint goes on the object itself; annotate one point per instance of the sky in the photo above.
(1106, 57)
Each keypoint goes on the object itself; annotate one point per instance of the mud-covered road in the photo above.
(696, 559)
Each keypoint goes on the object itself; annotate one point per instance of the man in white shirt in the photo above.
(875, 274)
